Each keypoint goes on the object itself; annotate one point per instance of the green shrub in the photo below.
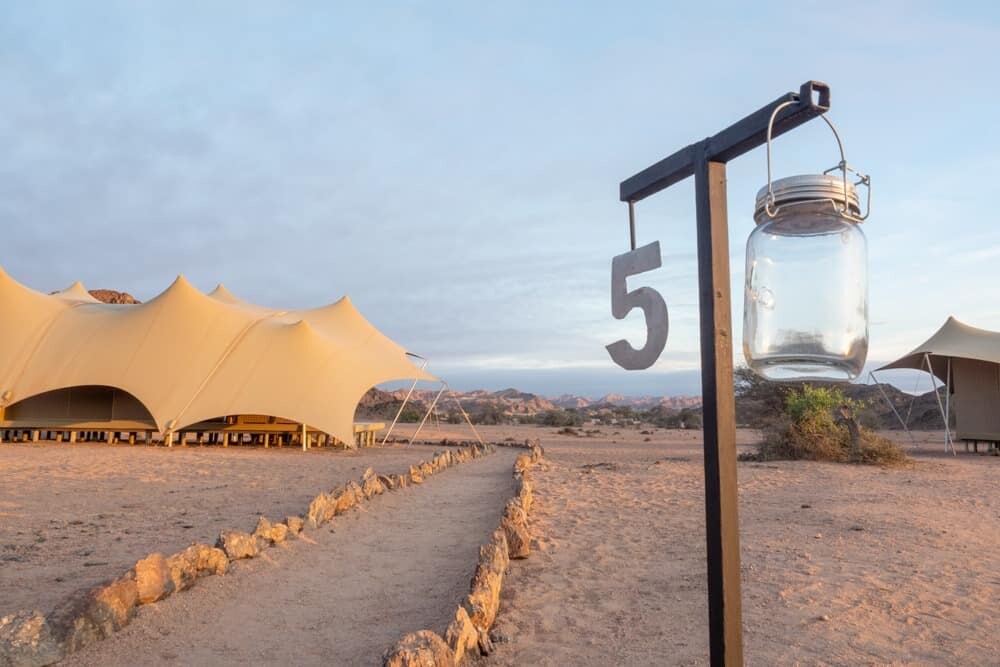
(410, 416)
(813, 402)
(559, 418)
(686, 419)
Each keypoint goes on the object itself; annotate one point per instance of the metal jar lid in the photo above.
(804, 188)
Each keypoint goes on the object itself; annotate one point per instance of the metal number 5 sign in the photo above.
(653, 307)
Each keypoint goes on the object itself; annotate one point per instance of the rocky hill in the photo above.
(112, 296)
(516, 406)
(756, 405)
(925, 414)
(378, 405)
(511, 402)
(569, 401)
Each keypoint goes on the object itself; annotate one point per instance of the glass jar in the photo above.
(805, 313)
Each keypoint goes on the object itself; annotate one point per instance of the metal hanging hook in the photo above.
(863, 179)
(770, 128)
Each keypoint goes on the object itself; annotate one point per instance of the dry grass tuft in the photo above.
(825, 440)
(808, 431)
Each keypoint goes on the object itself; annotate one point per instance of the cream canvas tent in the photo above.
(967, 361)
(185, 357)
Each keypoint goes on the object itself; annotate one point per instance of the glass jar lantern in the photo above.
(805, 311)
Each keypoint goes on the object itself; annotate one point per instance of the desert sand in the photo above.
(842, 564)
(72, 516)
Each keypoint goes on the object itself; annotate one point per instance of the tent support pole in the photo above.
(428, 414)
(466, 415)
(305, 436)
(947, 406)
(947, 428)
(913, 395)
(399, 412)
(892, 407)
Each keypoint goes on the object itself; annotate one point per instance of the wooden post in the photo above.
(72, 436)
(305, 438)
(721, 500)
(34, 435)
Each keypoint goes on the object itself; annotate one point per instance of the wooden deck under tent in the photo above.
(105, 414)
(235, 430)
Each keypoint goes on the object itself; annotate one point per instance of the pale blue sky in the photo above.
(455, 167)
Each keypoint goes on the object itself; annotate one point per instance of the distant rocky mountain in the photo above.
(512, 402)
(920, 412)
(754, 408)
(112, 296)
(378, 405)
(516, 406)
(568, 401)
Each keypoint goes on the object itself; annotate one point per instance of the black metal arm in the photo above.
(813, 99)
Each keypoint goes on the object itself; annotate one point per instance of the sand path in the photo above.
(399, 563)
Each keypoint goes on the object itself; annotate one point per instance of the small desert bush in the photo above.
(559, 418)
(816, 426)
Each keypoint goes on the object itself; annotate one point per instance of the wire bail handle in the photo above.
(863, 179)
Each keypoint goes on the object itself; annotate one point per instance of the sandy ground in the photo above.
(399, 563)
(74, 515)
(904, 563)
(841, 564)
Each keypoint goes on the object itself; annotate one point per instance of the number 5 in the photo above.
(653, 307)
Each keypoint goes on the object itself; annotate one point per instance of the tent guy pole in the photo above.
(947, 405)
(429, 410)
(947, 428)
(402, 405)
(871, 374)
(465, 414)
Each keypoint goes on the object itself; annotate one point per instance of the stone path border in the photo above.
(470, 629)
(31, 639)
